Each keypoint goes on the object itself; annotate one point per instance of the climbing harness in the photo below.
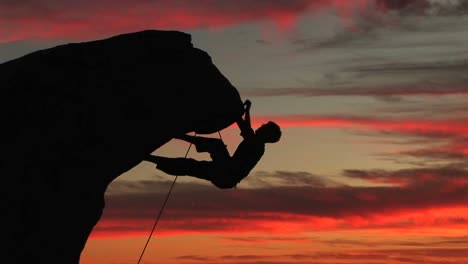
(164, 204)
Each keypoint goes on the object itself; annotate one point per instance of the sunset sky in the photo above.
(371, 96)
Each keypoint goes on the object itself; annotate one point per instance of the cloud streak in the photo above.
(430, 255)
(88, 19)
(84, 19)
(439, 77)
(414, 199)
(416, 89)
(421, 127)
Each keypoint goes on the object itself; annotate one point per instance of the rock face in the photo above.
(77, 116)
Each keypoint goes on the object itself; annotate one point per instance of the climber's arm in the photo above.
(247, 112)
(244, 124)
(151, 158)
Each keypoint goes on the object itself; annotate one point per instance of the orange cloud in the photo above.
(447, 221)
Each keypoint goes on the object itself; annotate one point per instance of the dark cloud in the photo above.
(448, 7)
(268, 239)
(263, 179)
(194, 258)
(247, 259)
(430, 255)
(410, 5)
(427, 178)
(159, 185)
(423, 109)
(432, 252)
(451, 151)
(414, 89)
(243, 257)
(202, 209)
(436, 154)
(433, 78)
(263, 42)
(449, 66)
(381, 18)
(436, 242)
(425, 7)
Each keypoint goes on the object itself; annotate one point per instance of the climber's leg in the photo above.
(173, 166)
(183, 166)
(214, 146)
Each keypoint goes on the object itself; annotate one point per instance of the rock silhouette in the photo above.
(77, 116)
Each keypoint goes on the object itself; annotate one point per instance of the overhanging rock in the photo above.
(77, 116)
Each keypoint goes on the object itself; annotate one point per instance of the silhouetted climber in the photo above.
(223, 170)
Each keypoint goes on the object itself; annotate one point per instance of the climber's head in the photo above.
(269, 132)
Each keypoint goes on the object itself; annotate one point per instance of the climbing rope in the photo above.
(164, 205)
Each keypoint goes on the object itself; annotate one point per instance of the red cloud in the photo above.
(451, 221)
(451, 133)
(424, 210)
(438, 203)
(84, 19)
(88, 19)
(411, 126)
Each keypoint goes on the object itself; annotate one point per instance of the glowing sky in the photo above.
(372, 98)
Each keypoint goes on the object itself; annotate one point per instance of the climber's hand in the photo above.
(247, 104)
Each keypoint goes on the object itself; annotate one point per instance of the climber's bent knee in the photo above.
(224, 183)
